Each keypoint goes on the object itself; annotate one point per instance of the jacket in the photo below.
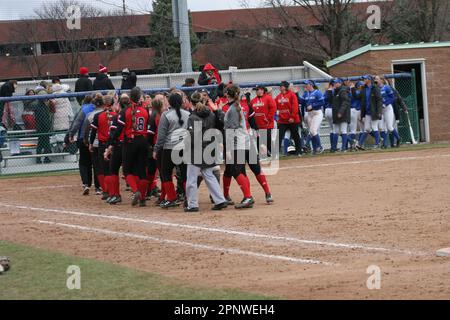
(77, 127)
(376, 102)
(341, 105)
(63, 109)
(170, 133)
(129, 82)
(204, 79)
(287, 106)
(102, 82)
(198, 124)
(265, 109)
(314, 99)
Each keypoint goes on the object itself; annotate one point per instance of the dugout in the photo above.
(430, 85)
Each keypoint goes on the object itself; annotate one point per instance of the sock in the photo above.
(263, 182)
(244, 183)
(344, 142)
(308, 141)
(334, 141)
(163, 192)
(226, 186)
(115, 185)
(107, 184)
(391, 139)
(362, 138)
(314, 143)
(318, 143)
(170, 191)
(385, 138)
(143, 183)
(396, 135)
(131, 181)
(101, 181)
(151, 181)
(376, 134)
(285, 145)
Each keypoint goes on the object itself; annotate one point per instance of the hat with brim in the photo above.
(256, 88)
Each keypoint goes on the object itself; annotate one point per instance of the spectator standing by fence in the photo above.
(63, 116)
(43, 114)
(102, 81)
(83, 83)
(6, 90)
(129, 79)
(85, 161)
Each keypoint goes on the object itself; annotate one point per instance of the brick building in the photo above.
(430, 62)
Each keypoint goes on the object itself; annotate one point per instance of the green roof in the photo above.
(376, 47)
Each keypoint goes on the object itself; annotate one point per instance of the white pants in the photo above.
(389, 118)
(340, 128)
(369, 124)
(329, 117)
(356, 124)
(315, 118)
(210, 180)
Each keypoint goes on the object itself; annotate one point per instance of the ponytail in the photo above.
(176, 101)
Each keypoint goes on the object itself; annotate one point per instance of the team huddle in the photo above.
(188, 135)
(143, 134)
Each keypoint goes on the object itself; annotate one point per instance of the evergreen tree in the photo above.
(166, 47)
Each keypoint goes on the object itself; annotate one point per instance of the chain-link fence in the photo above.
(36, 125)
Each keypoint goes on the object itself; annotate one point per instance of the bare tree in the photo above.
(96, 33)
(27, 38)
(328, 28)
(419, 20)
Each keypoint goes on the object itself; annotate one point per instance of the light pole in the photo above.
(181, 30)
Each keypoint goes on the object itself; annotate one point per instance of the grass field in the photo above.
(41, 274)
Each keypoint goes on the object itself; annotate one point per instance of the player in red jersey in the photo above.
(133, 120)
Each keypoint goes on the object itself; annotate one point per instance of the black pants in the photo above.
(85, 165)
(43, 145)
(167, 167)
(103, 165)
(293, 128)
(253, 161)
(135, 156)
(115, 162)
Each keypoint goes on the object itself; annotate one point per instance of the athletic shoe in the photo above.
(220, 206)
(142, 203)
(105, 195)
(191, 209)
(169, 204)
(115, 200)
(229, 201)
(376, 147)
(136, 198)
(359, 147)
(85, 191)
(108, 199)
(269, 198)
(98, 191)
(245, 204)
(319, 150)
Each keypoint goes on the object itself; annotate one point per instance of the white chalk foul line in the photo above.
(187, 244)
(364, 161)
(225, 231)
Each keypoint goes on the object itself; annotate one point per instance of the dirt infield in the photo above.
(333, 217)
